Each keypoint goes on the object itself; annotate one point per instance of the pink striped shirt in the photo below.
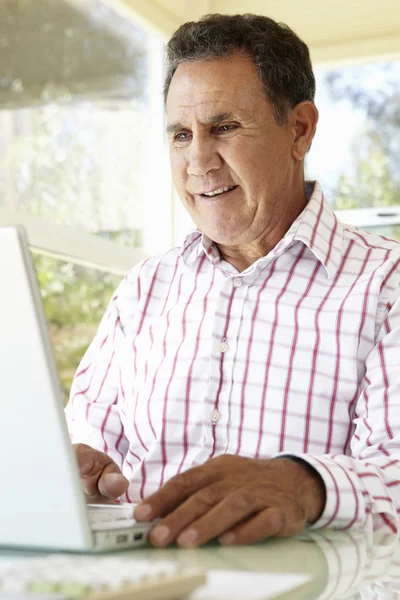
(298, 354)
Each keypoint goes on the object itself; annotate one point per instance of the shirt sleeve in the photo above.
(93, 410)
(365, 486)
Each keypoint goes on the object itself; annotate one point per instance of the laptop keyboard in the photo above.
(100, 513)
(82, 577)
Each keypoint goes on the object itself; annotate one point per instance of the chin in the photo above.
(221, 238)
(221, 232)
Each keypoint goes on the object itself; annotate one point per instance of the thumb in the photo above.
(112, 484)
(99, 473)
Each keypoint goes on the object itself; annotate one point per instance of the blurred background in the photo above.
(83, 157)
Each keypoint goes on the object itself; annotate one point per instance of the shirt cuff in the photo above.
(344, 506)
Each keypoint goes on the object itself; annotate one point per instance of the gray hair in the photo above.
(281, 58)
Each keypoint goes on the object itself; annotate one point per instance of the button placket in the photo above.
(214, 415)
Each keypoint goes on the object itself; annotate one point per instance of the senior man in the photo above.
(247, 384)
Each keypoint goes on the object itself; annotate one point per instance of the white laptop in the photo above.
(42, 504)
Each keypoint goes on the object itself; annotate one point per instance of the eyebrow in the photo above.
(224, 116)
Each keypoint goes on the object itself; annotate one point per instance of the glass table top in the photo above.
(338, 564)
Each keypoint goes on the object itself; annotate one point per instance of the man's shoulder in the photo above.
(371, 242)
(379, 255)
(164, 265)
(151, 277)
(156, 264)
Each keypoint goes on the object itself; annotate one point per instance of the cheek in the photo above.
(267, 167)
(250, 161)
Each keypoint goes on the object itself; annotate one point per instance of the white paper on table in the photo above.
(248, 585)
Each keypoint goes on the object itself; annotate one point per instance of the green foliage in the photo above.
(75, 299)
(72, 293)
(371, 185)
(374, 90)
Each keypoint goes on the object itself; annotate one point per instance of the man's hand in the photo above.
(241, 500)
(101, 478)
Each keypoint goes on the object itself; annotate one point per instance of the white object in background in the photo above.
(237, 585)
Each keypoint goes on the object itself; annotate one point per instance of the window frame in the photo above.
(370, 217)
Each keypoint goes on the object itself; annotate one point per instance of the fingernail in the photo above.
(142, 512)
(188, 538)
(113, 484)
(115, 478)
(227, 538)
(159, 534)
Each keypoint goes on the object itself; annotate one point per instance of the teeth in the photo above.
(219, 191)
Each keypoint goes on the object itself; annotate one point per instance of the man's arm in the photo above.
(365, 487)
(93, 416)
(93, 409)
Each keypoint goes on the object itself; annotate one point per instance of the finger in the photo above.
(174, 493)
(112, 484)
(232, 509)
(271, 522)
(194, 507)
(99, 473)
(223, 516)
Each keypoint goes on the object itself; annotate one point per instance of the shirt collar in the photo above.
(317, 227)
(196, 244)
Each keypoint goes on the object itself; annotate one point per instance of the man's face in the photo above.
(222, 133)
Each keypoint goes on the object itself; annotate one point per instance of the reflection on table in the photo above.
(342, 564)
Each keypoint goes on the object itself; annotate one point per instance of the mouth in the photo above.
(220, 192)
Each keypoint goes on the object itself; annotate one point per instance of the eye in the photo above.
(181, 136)
(226, 127)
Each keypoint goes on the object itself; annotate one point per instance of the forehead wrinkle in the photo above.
(225, 83)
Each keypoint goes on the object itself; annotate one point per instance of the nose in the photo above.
(202, 157)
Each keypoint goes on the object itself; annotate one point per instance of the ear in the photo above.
(304, 119)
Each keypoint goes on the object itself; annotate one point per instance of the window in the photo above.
(357, 144)
(83, 161)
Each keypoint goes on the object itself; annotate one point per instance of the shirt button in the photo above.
(223, 347)
(237, 281)
(215, 416)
